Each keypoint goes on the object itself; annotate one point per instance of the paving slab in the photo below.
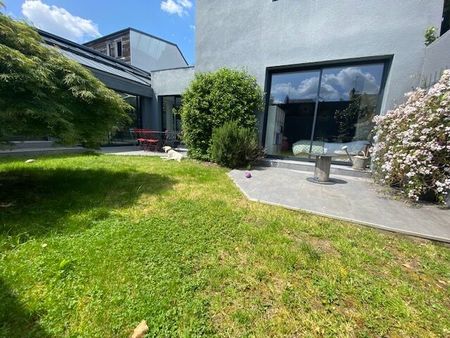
(350, 198)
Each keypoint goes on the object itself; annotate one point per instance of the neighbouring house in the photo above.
(326, 67)
(140, 49)
(132, 83)
(169, 68)
(155, 101)
(152, 54)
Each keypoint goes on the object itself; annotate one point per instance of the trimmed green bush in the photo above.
(213, 99)
(234, 146)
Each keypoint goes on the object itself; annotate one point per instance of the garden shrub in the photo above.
(213, 99)
(234, 146)
(412, 143)
(43, 93)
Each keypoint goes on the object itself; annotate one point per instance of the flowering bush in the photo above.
(412, 143)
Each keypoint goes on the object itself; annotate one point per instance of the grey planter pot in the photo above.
(360, 162)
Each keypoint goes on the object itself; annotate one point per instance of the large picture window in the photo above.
(321, 110)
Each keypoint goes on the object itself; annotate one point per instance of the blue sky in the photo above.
(83, 20)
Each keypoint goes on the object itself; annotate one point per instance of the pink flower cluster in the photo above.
(412, 143)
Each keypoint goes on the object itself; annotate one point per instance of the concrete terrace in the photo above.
(353, 199)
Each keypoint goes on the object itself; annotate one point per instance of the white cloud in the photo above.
(178, 7)
(59, 21)
(185, 3)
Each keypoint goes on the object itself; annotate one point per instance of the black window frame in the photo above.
(385, 59)
(119, 48)
(445, 25)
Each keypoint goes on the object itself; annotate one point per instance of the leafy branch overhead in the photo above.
(43, 93)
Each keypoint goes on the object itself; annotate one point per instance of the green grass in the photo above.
(91, 245)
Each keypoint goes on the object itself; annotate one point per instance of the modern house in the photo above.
(327, 67)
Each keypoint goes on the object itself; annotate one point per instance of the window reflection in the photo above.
(295, 86)
(343, 109)
(121, 135)
(291, 112)
(348, 102)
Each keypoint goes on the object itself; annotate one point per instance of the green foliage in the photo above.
(234, 146)
(43, 93)
(355, 121)
(213, 99)
(347, 118)
(430, 35)
(412, 149)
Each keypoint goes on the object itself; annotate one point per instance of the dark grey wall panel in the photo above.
(123, 85)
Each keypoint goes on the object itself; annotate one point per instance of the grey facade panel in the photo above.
(168, 82)
(255, 35)
(150, 53)
(122, 85)
(437, 59)
(172, 81)
(150, 118)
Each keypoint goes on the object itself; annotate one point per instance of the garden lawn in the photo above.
(91, 245)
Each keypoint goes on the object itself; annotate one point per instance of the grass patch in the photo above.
(91, 245)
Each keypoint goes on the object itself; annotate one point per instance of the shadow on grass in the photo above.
(15, 320)
(34, 201)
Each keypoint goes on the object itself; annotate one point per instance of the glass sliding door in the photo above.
(171, 119)
(290, 113)
(323, 110)
(170, 116)
(122, 135)
(348, 101)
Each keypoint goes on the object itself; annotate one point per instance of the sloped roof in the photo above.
(120, 32)
(95, 60)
